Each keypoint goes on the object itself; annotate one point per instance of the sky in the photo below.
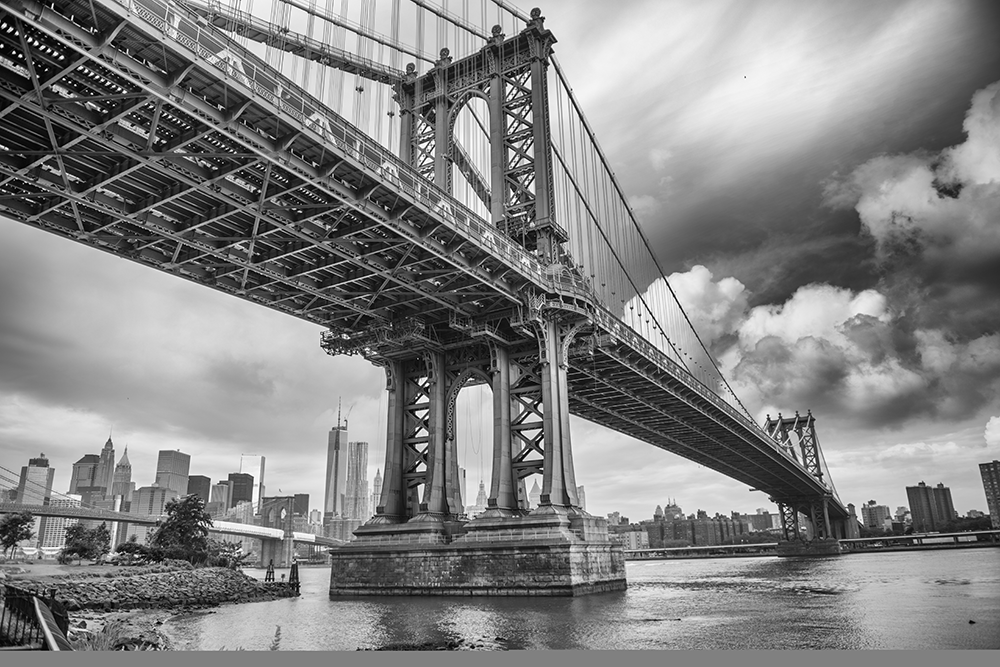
(821, 182)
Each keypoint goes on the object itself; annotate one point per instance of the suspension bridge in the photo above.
(419, 180)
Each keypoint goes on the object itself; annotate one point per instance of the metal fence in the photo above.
(31, 622)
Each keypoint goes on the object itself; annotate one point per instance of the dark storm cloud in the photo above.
(922, 341)
(737, 122)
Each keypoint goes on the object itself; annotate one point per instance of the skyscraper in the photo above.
(581, 495)
(240, 488)
(172, 467)
(121, 482)
(253, 464)
(83, 479)
(55, 526)
(376, 499)
(218, 503)
(35, 488)
(991, 485)
(930, 507)
(105, 471)
(200, 486)
(149, 501)
(356, 484)
(336, 473)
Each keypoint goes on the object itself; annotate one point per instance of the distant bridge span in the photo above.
(220, 527)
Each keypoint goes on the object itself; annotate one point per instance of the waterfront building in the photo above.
(336, 473)
(931, 507)
(54, 536)
(990, 472)
(240, 489)
(34, 487)
(696, 532)
(253, 464)
(121, 482)
(761, 521)
(200, 486)
(172, 467)
(876, 516)
(629, 536)
(672, 510)
(356, 482)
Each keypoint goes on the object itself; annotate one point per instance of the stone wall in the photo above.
(127, 590)
(512, 568)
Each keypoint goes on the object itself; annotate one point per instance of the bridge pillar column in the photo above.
(559, 477)
(392, 503)
(503, 501)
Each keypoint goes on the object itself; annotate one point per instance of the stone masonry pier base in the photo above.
(533, 562)
(817, 547)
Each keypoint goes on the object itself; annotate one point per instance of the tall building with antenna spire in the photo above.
(335, 497)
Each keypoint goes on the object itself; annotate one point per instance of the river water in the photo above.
(898, 600)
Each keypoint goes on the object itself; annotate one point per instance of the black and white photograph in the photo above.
(480, 326)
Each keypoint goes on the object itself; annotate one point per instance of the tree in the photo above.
(14, 528)
(81, 542)
(184, 533)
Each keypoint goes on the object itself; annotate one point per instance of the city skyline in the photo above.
(756, 169)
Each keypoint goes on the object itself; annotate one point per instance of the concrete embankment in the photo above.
(140, 588)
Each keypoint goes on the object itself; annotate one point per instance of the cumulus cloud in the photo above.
(935, 219)
(992, 433)
(838, 351)
(715, 308)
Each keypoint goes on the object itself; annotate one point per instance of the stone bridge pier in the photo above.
(277, 512)
(418, 542)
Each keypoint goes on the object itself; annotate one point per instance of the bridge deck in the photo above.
(164, 142)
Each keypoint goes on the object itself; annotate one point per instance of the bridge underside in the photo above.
(133, 127)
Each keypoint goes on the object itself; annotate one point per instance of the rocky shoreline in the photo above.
(126, 608)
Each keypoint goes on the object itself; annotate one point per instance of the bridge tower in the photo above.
(520, 354)
(816, 534)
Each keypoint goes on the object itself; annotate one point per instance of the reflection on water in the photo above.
(918, 600)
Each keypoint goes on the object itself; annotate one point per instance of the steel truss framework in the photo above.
(135, 129)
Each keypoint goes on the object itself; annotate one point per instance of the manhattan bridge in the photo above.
(418, 179)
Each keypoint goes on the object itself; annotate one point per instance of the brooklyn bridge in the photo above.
(453, 220)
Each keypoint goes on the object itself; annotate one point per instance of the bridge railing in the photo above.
(28, 621)
(183, 25)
